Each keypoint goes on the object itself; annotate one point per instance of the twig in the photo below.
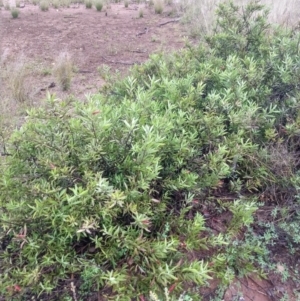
(171, 21)
(258, 286)
(84, 71)
(73, 290)
(52, 85)
(118, 62)
(137, 51)
(255, 290)
(5, 154)
(143, 32)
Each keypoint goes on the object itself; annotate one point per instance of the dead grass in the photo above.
(44, 5)
(17, 81)
(63, 70)
(14, 12)
(158, 6)
(99, 5)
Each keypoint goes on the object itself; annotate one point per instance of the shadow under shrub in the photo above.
(102, 194)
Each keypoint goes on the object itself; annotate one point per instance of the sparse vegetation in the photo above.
(199, 16)
(46, 71)
(63, 70)
(15, 12)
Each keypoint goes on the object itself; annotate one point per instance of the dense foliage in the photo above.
(114, 194)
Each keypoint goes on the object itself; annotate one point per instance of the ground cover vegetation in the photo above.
(121, 196)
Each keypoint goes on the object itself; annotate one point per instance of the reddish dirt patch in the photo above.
(252, 289)
(115, 36)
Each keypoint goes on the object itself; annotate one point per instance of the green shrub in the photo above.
(14, 12)
(112, 192)
(99, 5)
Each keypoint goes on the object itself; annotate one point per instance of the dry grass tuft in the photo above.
(158, 6)
(99, 5)
(141, 13)
(16, 78)
(88, 4)
(63, 70)
(44, 5)
(14, 12)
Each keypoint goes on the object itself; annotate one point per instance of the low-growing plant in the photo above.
(126, 3)
(63, 70)
(15, 12)
(44, 5)
(154, 38)
(99, 5)
(46, 71)
(88, 4)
